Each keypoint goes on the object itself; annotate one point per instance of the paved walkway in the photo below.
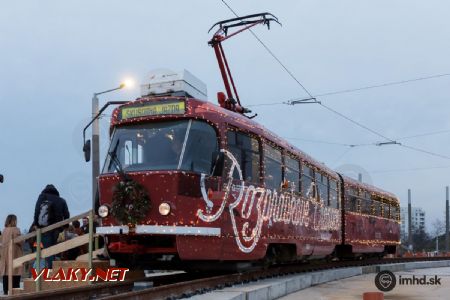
(353, 288)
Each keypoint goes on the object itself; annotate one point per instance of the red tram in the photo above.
(187, 181)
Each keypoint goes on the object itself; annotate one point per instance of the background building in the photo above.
(417, 220)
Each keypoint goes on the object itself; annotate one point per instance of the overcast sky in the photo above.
(55, 54)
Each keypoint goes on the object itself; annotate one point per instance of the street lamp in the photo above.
(96, 135)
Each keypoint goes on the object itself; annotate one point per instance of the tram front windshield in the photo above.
(176, 145)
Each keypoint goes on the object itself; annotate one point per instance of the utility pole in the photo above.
(446, 220)
(95, 149)
(437, 244)
(410, 245)
(96, 139)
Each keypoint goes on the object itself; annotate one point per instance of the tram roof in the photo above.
(216, 114)
(369, 188)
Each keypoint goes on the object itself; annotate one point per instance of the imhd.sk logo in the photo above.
(385, 281)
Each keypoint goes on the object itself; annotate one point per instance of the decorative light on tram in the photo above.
(164, 209)
(103, 211)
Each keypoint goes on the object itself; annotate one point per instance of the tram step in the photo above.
(66, 264)
(84, 257)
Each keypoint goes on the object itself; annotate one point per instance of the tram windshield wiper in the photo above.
(117, 164)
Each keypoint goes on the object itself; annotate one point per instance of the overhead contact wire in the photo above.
(345, 91)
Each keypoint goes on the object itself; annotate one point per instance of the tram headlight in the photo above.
(103, 211)
(164, 209)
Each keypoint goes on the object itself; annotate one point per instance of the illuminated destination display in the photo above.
(154, 109)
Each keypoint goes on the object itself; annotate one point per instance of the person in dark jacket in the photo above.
(50, 208)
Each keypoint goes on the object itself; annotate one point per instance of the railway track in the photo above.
(180, 285)
(99, 290)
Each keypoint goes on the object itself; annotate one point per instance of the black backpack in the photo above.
(46, 212)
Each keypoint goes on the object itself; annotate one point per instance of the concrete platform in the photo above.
(348, 283)
(353, 288)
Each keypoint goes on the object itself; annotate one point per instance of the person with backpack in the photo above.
(50, 209)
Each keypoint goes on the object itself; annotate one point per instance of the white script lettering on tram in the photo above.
(272, 207)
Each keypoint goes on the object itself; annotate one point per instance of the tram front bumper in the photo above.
(160, 230)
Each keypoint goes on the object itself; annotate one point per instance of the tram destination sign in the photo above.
(153, 109)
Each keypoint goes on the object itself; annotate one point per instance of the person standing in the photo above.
(50, 208)
(77, 228)
(11, 231)
(85, 225)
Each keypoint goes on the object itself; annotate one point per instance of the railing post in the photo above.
(10, 266)
(91, 234)
(38, 258)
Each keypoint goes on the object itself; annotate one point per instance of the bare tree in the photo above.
(438, 229)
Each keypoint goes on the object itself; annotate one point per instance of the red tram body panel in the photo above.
(371, 218)
(268, 198)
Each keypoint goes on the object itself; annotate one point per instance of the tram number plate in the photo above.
(154, 109)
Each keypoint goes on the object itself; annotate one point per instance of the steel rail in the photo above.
(199, 286)
(188, 284)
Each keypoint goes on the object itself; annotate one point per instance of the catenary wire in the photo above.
(367, 144)
(383, 85)
(408, 170)
(423, 134)
(333, 110)
(271, 53)
(301, 85)
(357, 89)
(326, 142)
(424, 151)
(342, 155)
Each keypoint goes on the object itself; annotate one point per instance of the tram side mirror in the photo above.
(1, 178)
(87, 150)
(217, 163)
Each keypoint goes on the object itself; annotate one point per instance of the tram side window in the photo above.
(246, 150)
(352, 200)
(386, 210)
(377, 208)
(307, 181)
(368, 198)
(292, 173)
(272, 167)
(372, 209)
(394, 213)
(334, 203)
(366, 203)
(200, 147)
(322, 186)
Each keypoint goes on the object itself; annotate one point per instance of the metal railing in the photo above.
(55, 249)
